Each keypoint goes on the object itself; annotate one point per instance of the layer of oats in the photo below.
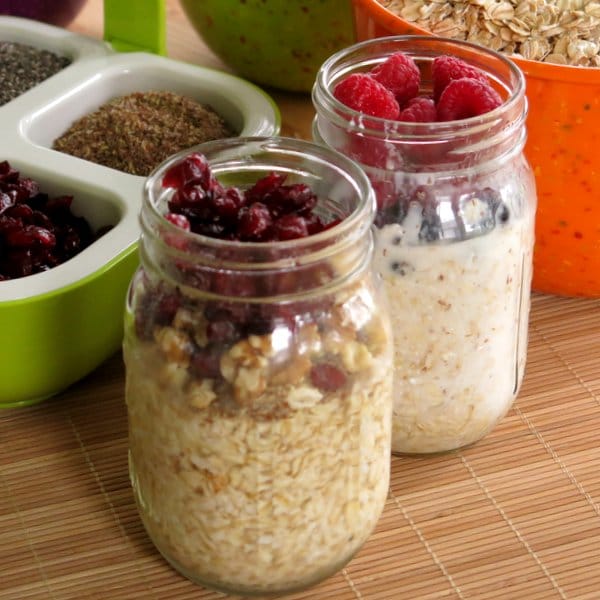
(259, 481)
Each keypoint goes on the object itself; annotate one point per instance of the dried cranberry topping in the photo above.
(268, 211)
(36, 232)
(254, 222)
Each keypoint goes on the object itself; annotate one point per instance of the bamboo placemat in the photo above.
(517, 516)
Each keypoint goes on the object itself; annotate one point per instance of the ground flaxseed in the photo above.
(23, 67)
(135, 133)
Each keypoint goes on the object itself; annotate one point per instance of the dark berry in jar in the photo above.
(327, 377)
(269, 210)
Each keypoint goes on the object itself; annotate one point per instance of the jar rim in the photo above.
(323, 95)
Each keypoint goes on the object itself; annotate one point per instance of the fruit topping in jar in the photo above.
(391, 91)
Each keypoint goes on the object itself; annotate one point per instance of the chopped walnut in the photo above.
(174, 344)
(201, 393)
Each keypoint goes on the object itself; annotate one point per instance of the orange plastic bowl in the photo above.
(563, 147)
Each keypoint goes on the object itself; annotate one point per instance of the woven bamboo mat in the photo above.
(517, 516)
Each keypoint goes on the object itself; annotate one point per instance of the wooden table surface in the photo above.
(517, 516)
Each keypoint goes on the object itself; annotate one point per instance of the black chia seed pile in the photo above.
(23, 67)
(135, 133)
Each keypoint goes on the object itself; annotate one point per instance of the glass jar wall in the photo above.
(259, 381)
(453, 242)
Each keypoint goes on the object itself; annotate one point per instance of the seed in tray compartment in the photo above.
(23, 67)
(137, 132)
(36, 232)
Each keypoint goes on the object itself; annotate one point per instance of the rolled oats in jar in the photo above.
(453, 237)
(258, 365)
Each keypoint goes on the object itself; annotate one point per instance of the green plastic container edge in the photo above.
(136, 25)
(125, 262)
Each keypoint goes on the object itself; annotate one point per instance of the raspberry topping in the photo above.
(390, 91)
(419, 110)
(445, 69)
(399, 74)
(361, 92)
(466, 97)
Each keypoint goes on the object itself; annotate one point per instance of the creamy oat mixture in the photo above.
(557, 31)
(258, 480)
(459, 315)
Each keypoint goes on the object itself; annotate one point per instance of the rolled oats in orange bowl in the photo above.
(259, 365)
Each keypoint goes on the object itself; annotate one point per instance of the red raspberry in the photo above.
(466, 97)
(444, 69)
(361, 92)
(419, 110)
(399, 74)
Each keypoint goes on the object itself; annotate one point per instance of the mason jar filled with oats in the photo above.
(258, 365)
(439, 127)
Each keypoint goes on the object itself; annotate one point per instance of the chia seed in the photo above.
(137, 132)
(22, 67)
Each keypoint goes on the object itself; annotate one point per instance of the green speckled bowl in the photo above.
(279, 43)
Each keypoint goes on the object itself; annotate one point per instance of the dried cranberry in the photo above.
(205, 362)
(29, 236)
(167, 307)
(314, 224)
(7, 173)
(193, 169)
(254, 222)
(222, 331)
(290, 227)
(265, 187)
(192, 197)
(297, 198)
(58, 204)
(327, 377)
(178, 220)
(227, 205)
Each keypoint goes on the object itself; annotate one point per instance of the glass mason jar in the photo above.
(258, 381)
(453, 242)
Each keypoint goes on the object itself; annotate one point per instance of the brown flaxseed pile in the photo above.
(135, 133)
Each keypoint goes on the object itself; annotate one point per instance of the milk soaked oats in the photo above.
(442, 144)
(459, 317)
